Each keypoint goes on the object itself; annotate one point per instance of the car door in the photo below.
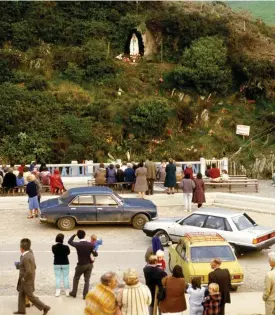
(192, 223)
(108, 209)
(83, 208)
(182, 259)
(219, 225)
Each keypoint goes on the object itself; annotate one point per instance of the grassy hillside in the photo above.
(264, 10)
(59, 81)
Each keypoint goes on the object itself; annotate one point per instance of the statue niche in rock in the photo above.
(134, 46)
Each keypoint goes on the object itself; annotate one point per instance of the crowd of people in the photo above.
(140, 178)
(14, 177)
(161, 294)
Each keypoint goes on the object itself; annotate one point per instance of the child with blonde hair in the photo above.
(211, 302)
(160, 259)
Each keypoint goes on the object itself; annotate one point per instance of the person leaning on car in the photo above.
(223, 279)
(85, 264)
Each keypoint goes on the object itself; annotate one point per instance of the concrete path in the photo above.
(242, 304)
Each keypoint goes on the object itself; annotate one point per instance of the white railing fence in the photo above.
(87, 169)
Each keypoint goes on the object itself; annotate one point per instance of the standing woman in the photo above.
(199, 191)
(31, 190)
(141, 184)
(174, 302)
(135, 297)
(170, 180)
(61, 264)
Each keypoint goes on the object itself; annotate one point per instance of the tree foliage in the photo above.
(204, 66)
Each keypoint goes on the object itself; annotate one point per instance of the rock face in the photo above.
(150, 47)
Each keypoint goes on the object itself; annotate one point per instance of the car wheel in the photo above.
(234, 289)
(139, 221)
(236, 249)
(164, 237)
(66, 223)
(170, 264)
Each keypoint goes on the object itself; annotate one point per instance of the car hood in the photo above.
(49, 203)
(167, 220)
(259, 230)
(136, 202)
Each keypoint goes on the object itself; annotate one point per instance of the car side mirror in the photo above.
(169, 243)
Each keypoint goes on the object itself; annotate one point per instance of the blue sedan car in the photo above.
(96, 205)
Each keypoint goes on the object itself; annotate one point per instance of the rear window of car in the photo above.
(207, 253)
(243, 222)
(64, 196)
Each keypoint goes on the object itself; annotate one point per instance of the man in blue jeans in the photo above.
(85, 265)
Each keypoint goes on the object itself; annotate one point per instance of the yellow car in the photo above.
(194, 253)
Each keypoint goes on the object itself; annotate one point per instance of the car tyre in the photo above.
(234, 289)
(66, 223)
(236, 250)
(164, 237)
(139, 221)
(170, 264)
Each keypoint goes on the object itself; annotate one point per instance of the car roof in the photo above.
(219, 212)
(201, 238)
(89, 190)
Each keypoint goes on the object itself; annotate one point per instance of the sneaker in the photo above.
(57, 293)
(67, 291)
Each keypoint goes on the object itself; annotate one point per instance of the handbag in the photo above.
(161, 295)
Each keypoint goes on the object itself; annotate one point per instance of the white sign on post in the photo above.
(243, 130)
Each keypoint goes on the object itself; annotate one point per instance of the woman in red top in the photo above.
(56, 183)
(189, 171)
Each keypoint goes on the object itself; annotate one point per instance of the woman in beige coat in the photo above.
(135, 297)
(141, 184)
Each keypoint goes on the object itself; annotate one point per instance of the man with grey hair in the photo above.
(25, 285)
(101, 299)
(269, 287)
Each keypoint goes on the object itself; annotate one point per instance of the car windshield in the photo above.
(118, 197)
(207, 253)
(243, 222)
(64, 196)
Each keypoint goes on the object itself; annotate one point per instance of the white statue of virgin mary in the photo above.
(134, 46)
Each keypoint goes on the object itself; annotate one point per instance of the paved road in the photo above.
(123, 247)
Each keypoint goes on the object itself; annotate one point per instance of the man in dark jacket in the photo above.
(153, 276)
(223, 279)
(85, 264)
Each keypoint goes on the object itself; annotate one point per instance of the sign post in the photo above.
(243, 130)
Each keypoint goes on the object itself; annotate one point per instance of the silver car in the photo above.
(236, 227)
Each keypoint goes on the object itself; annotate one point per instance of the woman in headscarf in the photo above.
(56, 183)
(155, 246)
(100, 175)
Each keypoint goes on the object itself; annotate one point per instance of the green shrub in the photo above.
(150, 118)
(204, 66)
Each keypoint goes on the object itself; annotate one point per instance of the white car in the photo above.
(236, 227)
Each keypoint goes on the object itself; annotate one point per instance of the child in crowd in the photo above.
(96, 243)
(196, 292)
(20, 182)
(160, 259)
(211, 302)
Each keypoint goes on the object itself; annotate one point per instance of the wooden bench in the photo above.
(246, 183)
(18, 190)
